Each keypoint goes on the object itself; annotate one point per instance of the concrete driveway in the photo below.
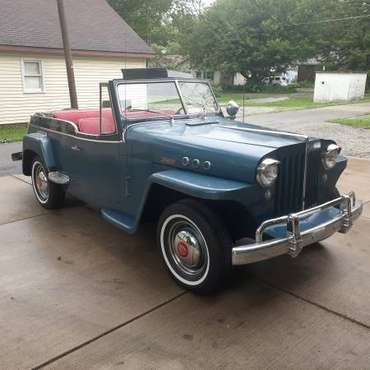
(77, 293)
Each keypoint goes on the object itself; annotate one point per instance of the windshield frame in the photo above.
(175, 81)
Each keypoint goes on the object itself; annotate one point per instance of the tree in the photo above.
(144, 16)
(341, 32)
(253, 37)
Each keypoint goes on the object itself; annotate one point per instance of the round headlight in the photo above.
(267, 172)
(329, 158)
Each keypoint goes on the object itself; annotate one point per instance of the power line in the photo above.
(334, 20)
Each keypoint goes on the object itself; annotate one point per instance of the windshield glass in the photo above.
(198, 97)
(161, 99)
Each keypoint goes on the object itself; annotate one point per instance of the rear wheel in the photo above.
(48, 194)
(195, 246)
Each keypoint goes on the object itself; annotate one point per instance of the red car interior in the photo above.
(88, 120)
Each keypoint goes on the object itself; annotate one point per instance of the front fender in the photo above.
(188, 183)
(199, 185)
(37, 144)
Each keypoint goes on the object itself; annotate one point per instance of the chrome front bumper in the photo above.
(339, 216)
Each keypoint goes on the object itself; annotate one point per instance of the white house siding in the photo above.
(17, 106)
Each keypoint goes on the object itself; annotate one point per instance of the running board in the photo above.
(58, 178)
(119, 219)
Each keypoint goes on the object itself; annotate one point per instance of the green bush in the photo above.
(303, 84)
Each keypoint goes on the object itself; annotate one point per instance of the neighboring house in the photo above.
(220, 78)
(181, 63)
(32, 68)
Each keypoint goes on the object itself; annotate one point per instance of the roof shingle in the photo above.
(92, 24)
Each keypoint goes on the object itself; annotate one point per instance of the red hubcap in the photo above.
(182, 249)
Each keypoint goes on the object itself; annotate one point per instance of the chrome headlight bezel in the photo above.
(329, 158)
(267, 172)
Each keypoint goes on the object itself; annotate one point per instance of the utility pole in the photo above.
(67, 55)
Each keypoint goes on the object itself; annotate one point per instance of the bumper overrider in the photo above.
(290, 234)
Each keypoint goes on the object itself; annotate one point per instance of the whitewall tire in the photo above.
(47, 193)
(194, 246)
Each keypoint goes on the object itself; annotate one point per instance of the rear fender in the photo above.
(37, 144)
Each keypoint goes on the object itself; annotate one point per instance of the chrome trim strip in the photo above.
(75, 136)
(272, 132)
(295, 240)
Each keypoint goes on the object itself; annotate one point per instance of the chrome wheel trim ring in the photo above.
(40, 182)
(196, 268)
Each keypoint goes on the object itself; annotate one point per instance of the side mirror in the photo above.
(232, 109)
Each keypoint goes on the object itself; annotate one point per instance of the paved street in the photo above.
(313, 122)
(77, 293)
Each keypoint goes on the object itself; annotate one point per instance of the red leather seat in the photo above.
(88, 121)
(92, 125)
(74, 115)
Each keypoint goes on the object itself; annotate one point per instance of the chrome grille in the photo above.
(313, 178)
(289, 186)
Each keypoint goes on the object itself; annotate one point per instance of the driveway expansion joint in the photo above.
(19, 179)
(318, 305)
(109, 331)
(23, 219)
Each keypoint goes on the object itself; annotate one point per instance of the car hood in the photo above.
(233, 148)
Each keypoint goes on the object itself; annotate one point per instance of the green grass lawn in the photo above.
(238, 97)
(10, 134)
(293, 101)
(358, 122)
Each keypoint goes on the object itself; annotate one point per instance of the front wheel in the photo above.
(195, 246)
(48, 194)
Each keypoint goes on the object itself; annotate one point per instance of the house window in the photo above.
(32, 76)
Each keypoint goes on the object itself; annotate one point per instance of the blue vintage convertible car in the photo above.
(223, 192)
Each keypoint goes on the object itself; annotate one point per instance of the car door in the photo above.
(98, 159)
(97, 171)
